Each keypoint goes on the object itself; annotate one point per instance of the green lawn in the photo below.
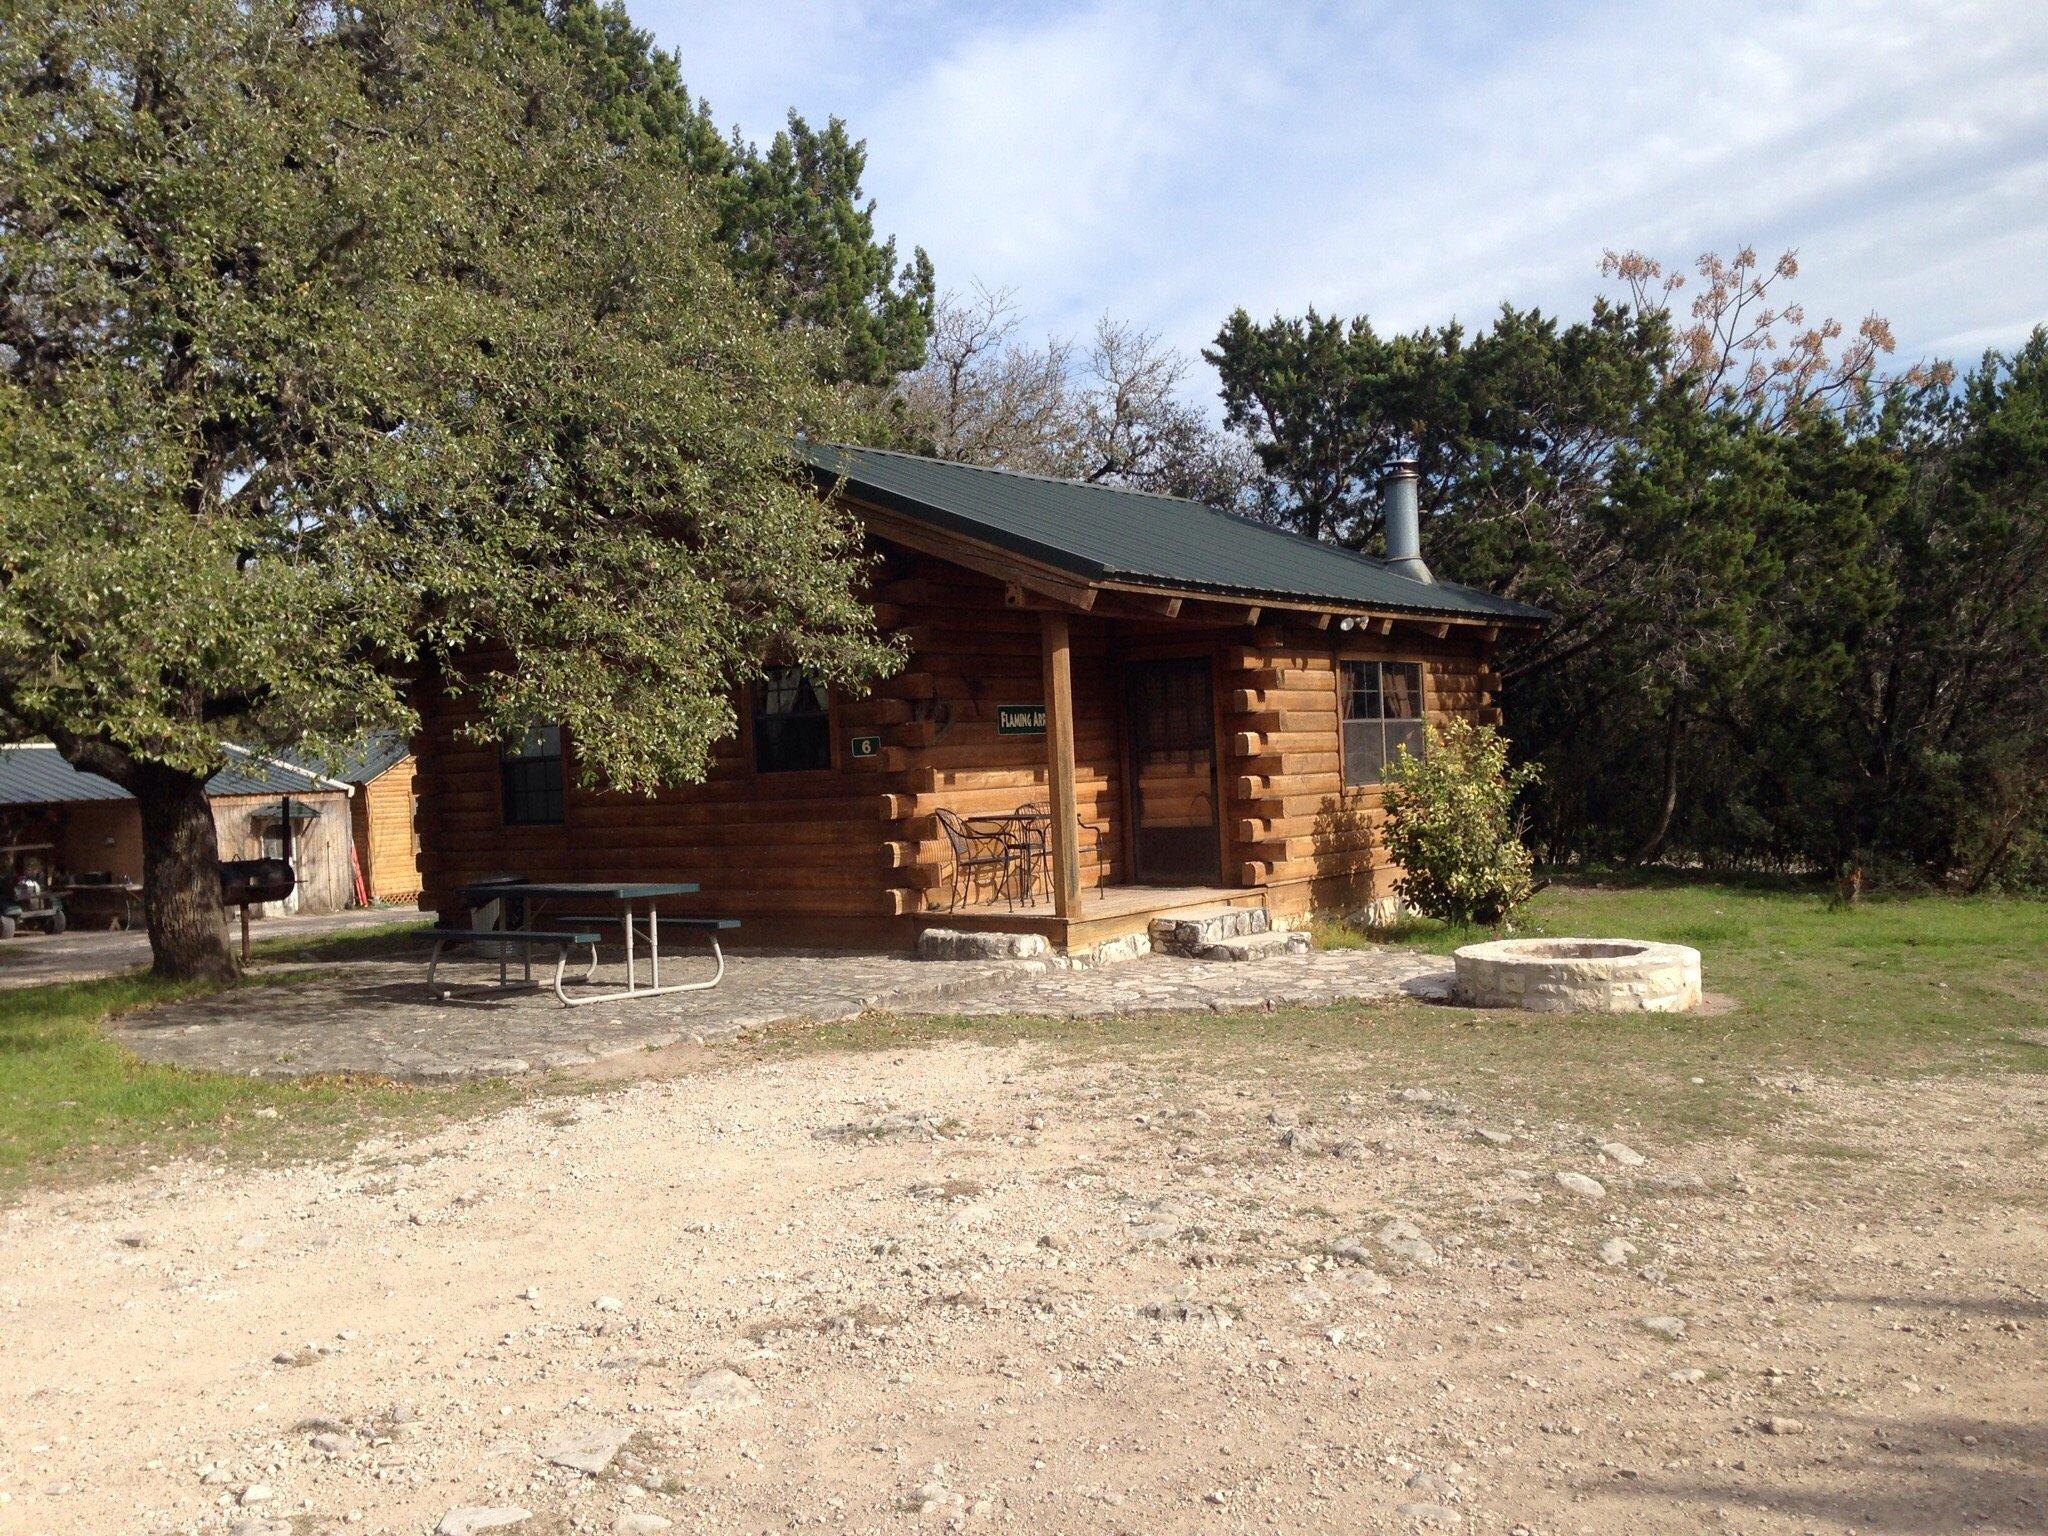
(1893, 988)
(73, 1102)
(1917, 980)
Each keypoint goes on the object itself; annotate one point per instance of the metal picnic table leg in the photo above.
(626, 922)
(654, 941)
(561, 963)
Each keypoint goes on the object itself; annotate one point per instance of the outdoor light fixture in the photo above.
(1347, 624)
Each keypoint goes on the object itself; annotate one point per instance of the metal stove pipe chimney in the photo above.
(1403, 516)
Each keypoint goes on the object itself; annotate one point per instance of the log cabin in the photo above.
(1195, 709)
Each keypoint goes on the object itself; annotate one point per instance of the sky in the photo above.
(1166, 162)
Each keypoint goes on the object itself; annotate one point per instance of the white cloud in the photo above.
(1415, 161)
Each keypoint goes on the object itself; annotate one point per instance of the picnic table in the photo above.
(101, 903)
(631, 908)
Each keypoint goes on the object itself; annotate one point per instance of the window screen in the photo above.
(792, 722)
(531, 771)
(1382, 712)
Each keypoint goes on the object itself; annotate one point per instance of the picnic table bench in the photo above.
(638, 928)
(525, 940)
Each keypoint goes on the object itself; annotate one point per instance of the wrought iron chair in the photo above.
(1033, 824)
(975, 849)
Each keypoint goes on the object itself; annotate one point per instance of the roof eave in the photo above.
(1097, 574)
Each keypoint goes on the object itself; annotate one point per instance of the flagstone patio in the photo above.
(374, 1015)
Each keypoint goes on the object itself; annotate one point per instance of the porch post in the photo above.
(1059, 763)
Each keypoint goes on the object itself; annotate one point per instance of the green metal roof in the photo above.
(1102, 533)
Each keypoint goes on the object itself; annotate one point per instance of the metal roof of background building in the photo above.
(254, 773)
(1102, 533)
(378, 752)
(35, 773)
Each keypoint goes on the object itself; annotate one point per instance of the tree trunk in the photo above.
(181, 877)
(1654, 843)
(1849, 879)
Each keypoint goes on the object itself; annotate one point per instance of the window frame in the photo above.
(1389, 732)
(516, 764)
(755, 696)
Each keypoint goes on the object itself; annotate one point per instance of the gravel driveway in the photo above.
(981, 1288)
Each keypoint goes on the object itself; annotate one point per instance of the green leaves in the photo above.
(338, 345)
(1450, 825)
(791, 218)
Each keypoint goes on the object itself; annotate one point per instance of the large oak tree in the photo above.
(337, 341)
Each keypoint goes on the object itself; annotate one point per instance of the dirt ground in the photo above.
(1014, 1289)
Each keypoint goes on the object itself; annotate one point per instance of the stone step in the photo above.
(1254, 946)
(1199, 927)
(978, 944)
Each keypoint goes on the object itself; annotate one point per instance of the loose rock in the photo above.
(589, 1449)
(1664, 1326)
(475, 1519)
(1434, 1517)
(1585, 1187)
(721, 1390)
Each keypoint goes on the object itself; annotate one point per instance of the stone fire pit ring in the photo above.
(1579, 976)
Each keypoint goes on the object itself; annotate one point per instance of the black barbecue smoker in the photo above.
(245, 883)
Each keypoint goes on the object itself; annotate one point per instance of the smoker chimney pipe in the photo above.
(1404, 520)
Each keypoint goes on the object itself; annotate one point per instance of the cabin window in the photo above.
(1382, 703)
(530, 768)
(792, 722)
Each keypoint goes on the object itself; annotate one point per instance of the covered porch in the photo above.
(1097, 801)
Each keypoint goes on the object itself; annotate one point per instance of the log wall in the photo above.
(1291, 825)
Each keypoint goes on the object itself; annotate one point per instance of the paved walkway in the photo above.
(374, 1016)
(31, 959)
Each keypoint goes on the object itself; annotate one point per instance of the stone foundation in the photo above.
(1579, 976)
(962, 944)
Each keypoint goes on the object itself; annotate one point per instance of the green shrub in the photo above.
(1450, 825)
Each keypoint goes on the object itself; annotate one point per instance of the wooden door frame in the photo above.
(1157, 651)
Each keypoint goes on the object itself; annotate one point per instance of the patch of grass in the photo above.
(1896, 987)
(74, 1103)
(1914, 981)
(400, 936)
